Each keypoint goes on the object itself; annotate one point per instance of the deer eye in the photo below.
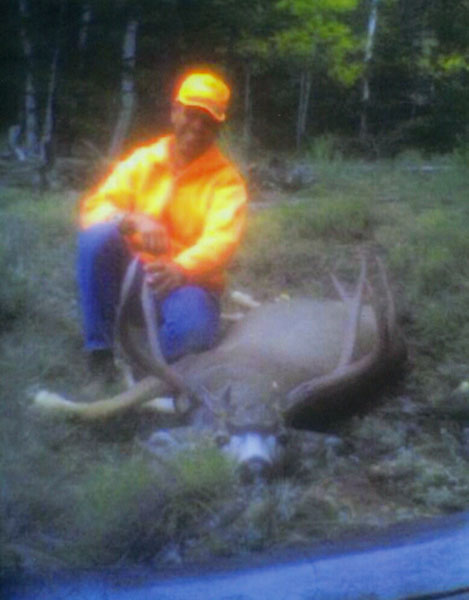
(221, 438)
(282, 438)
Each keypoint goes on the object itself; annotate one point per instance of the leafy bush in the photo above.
(324, 148)
(461, 152)
(434, 265)
(13, 291)
(115, 510)
(131, 507)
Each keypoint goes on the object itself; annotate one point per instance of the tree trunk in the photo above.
(85, 20)
(372, 23)
(128, 98)
(247, 130)
(46, 145)
(303, 105)
(30, 102)
(48, 124)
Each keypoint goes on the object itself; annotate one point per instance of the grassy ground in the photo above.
(73, 496)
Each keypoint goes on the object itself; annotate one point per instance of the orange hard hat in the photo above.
(206, 91)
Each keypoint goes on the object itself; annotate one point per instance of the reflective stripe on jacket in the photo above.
(203, 207)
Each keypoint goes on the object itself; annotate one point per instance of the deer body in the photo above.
(276, 346)
(283, 361)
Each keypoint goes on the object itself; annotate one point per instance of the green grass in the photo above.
(82, 497)
(131, 508)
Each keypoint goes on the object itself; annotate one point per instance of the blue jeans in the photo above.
(188, 316)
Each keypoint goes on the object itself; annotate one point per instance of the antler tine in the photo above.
(340, 289)
(153, 362)
(103, 409)
(388, 352)
(157, 362)
(354, 304)
(385, 313)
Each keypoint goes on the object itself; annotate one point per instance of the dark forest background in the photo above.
(379, 76)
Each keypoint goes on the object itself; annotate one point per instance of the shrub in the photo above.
(13, 291)
(324, 148)
(114, 512)
(130, 507)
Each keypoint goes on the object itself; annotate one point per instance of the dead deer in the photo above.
(279, 367)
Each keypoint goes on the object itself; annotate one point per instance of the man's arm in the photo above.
(224, 225)
(114, 201)
(114, 196)
(152, 234)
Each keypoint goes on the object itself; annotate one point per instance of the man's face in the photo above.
(195, 130)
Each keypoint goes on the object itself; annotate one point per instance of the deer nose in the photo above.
(255, 469)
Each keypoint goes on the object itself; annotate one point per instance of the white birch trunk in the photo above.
(247, 130)
(83, 34)
(45, 149)
(371, 34)
(85, 21)
(303, 105)
(128, 98)
(48, 124)
(30, 102)
(300, 110)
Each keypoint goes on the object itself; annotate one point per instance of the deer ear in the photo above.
(221, 437)
(208, 399)
(278, 409)
(219, 405)
(225, 396)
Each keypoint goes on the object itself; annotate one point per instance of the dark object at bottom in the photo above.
(426, 561)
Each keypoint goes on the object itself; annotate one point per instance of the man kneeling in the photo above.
(179, 206)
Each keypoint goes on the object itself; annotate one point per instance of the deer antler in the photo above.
(388, 352)
(140, 393)
(354, 304)
(154, 361)
(144, 390)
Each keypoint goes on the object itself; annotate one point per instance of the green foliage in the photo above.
(13, 292)
(418, 72)
(36, 247)
(131, 508)
(21, 220)
(376, 436)
(325, 149)
(340, 217)
(435, 264)
(115, 510)
(315, 34)
(426, 477)
(461, 151)
(201, 476)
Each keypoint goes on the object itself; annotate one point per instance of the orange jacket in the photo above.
(203, 207)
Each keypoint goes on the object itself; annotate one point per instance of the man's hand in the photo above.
(164, 276)
(153, 235)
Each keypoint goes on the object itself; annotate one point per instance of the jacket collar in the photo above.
(211, 160)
